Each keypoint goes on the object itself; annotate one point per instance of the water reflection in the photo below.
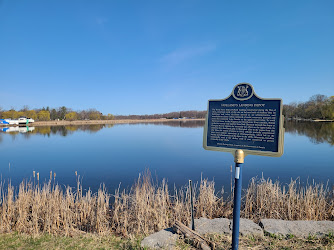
(53, 130)
(177, 123)
(16, 130)
(318, 132)
(171, 150)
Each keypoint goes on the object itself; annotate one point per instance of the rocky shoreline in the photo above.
(167, 238)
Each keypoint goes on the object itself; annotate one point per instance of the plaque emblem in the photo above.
(243, 91)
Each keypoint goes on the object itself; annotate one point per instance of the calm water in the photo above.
(117, 154)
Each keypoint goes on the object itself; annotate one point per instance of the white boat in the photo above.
(3, 121)
(21, 120)
(12, 122)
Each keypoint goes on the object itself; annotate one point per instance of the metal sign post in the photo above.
(244, 124)
(239, 160)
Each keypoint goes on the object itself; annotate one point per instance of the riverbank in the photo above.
(92, 241)
(318, 120)
(218, 232)
(127, 121)
(46, 215)
(35, 208)
(94, 122)
(308, 120)
(83, 241)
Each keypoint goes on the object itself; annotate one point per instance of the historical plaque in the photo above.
(245, 121)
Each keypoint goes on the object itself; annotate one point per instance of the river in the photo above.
(117, 154)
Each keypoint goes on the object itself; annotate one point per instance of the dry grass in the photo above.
(36, 209)
(265, 199)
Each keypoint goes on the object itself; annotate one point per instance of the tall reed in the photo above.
(150, 206)
(267, 199)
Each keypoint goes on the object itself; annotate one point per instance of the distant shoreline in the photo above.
(308, 120)
(125, 121)
(318, 120)
(94, 122)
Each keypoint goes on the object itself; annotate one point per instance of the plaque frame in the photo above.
(232, 150)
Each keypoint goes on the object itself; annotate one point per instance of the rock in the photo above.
(165, 239)
(224, 226)
(297, 228)
(218, 225)
(248, 227)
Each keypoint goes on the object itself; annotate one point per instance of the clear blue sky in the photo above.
(145, 57)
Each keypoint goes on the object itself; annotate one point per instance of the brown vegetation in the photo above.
(149, 207)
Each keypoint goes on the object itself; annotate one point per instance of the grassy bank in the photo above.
(273, 242)
(92, 241)
(147, 207)
(47, 241)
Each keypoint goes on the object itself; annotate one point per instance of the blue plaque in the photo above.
(245, 121)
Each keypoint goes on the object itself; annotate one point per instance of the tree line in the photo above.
(193, 114)
(61, 113)
(317, 107)
(64, 113)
